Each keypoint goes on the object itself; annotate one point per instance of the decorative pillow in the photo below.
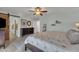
(73, 36)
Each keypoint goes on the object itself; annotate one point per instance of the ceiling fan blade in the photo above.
(41, 14)
(34, 14)
(44, 11)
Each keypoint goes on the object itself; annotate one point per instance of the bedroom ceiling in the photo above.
(52, 11)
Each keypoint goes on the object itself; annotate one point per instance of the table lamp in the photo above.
(77, 25)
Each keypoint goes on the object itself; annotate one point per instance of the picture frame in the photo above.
(28, 23)
(24, 22)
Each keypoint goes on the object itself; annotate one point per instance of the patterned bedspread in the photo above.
(51, 42)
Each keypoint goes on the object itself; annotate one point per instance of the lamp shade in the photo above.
(77, 24)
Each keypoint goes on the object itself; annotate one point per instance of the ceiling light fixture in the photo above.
(38, 11)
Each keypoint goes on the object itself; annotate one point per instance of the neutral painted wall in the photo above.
(66, 22)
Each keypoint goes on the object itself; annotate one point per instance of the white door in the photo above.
(15, 24)
(36, 25)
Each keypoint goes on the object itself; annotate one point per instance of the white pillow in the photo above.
(73, 36)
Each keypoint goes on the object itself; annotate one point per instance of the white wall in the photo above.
(68, 16)
(66, 22)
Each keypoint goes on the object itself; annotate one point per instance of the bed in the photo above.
(50, 42)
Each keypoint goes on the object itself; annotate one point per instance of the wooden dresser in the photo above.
(27, 31)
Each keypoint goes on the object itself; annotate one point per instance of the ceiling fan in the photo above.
(38, 11)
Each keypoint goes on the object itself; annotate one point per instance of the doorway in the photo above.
(15, 24)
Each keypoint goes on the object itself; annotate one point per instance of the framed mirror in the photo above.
(29, 23)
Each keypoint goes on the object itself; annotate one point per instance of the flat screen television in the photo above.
(2, 23)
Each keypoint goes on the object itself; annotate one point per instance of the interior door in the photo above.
(17, 27)
(14, 27)
(36, 25)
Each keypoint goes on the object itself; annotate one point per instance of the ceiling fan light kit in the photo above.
(38, 11)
